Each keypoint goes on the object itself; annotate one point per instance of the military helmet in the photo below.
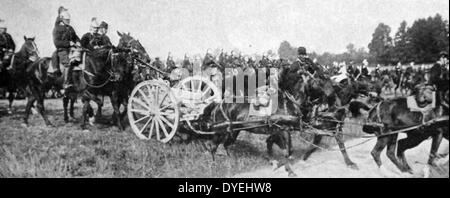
(94, 23)
(104, 25)
(2, 24)
(64, 14)
(443, 54)
(301, 51)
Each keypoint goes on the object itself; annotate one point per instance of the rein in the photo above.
(110, 73)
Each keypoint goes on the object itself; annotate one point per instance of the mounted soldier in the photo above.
(187, 63)
(64, 37)
(103, 30)
(159, 65)
(7, 46)
(305, 64)
(92, 40)
(364, 69)
(170, 63)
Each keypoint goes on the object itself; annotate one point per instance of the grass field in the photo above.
(66, 151)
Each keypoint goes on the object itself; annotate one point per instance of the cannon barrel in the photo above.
(154, 68)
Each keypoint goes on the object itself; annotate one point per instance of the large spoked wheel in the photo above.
(153, 111)
(200, 89)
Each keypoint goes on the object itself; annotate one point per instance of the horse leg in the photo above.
(86, 107)
(436, 142)
(269, 143)
(376, 151)
(340, 140)
(283, 141)
(312, 147)
(41, 109)
(30, 101)
(390, 152)
(65, 104)
(99, 102)
(231, 139)
(10, 99)
(116, 115)
(411, 141)
(72, 103)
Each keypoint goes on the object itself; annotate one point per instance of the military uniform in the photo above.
(7, 45)
(63, 35)
(170, 64)
(91, 41)
(187, 65)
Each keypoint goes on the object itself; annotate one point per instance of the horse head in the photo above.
(29, 49)
(75, 55)
(129, 43)
(424, 94)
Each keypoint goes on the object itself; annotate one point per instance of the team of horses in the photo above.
(312, 99)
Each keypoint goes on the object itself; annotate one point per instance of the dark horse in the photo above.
(394, 114)
(13, 73)
(285, 117)
(113, 78)
(330, 103)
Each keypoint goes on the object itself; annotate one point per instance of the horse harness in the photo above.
(112, 77)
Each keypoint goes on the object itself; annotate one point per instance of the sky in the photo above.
(193, 26)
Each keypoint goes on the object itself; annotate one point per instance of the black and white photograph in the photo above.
(234, 89)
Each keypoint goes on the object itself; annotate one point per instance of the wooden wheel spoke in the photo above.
(166, 122)
(140, 102)
(163, 128)
(165, 107)
(162, 100)
(157, 130)
(145, 97)
(206, 91)
(199, 86)
(142, 112)
(143, 118)
(145, 125)
(157, 96)
(151, 129)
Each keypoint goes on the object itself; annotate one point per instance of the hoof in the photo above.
(353, 166)
(292, 174)
(24, 125)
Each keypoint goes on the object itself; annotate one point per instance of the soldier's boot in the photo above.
(67, 78)
(55, 63)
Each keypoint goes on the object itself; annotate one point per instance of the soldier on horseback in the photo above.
(187, 63)
(92, 40)
(364, 69)
(64, 37)
(304, 63)
(7, 46)
(170, 63)
(103, 29)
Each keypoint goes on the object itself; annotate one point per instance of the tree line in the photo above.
(420, 43)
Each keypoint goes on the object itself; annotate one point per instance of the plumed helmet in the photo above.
(104, 25)
(64, 14)
(301, 51)
(2, 24)
(62, 9)
(94, 23)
